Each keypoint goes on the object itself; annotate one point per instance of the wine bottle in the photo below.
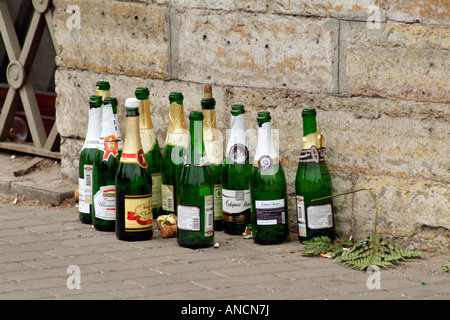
(134, 212)
(236, 200)
(313, 181)
(268, 189)
(196, 192)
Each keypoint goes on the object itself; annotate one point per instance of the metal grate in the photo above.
(20, 87)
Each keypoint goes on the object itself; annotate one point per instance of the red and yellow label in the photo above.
(138, 157)
(111, 146)
(138, 213)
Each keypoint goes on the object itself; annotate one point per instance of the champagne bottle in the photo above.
(151, 148)
(105, 166)
(311, 182)
(268, 189)
(87, 155)
(196, 192)
(134, 212)
(214, 151)
(174, 151)
(236, 200)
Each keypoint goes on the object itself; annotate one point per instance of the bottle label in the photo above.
(236, 206)
(238, 153)
(82, 205)
(214, 151)
(88, 179)
(301, 218)
(167, 198)
(270, 212)
(105, 203)
(312, 155)
(180, 139)
(138, 157)
(218, 213)
(156, 190)
(209, 216)
(319, 217)
(148, 139)
(138, 213)
(265, 162)
(110, 146)
(189, 217)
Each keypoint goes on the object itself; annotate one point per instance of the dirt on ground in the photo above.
(35, 171)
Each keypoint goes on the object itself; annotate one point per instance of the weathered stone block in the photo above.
(404, 61)
(114, 36)
(265, 51)
(423, 11)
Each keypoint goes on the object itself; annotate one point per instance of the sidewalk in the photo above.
(42, 249)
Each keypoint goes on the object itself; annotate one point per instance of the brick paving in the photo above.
(38, 244)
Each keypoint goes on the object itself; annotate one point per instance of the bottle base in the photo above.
(86, 219)
(134, 236)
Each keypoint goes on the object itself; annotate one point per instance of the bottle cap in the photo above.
(142, 93)
(103, 85)
(131, 103)
(176, 95)
(110, 100)
(237, 109)
(196, 115)
(95, 101)
(263, 117)
(207, 91)
(308, 112)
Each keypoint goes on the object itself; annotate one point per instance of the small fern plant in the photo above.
(372, 251)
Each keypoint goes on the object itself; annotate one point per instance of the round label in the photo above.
(265, 162)
(238, 153)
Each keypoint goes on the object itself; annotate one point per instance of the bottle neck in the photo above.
(103, 93)
(132, 141)
(145, 120)
(176, 117)
(237, 132)
(265, 145)
(196, 154)
(309, 125)
(94, 124)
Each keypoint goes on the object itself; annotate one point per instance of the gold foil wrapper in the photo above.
(166, 220)
(176, 118)
(313, 139)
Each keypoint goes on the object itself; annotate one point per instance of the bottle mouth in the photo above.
(103, 85)
(263, 117)
(196, 115)
(95, 101)
(176, 95)
(308, 112)
(237, 109)
(142, 93)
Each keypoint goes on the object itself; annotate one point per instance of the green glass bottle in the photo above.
(236, 200)
(174, 151)
(214, 150)
(196, 192)
(151, 148)
(134, 212)
(268, 189)
(87, 155)
(313, 181)
(105, 167)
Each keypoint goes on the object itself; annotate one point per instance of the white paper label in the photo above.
(105, 203)
(319, 217)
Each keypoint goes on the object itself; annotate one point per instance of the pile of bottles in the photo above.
(124, 184)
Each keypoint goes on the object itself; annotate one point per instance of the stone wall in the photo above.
(377, 73)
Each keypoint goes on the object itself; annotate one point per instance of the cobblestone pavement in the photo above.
(44, 251)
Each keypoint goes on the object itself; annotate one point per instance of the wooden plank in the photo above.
(29, 148)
